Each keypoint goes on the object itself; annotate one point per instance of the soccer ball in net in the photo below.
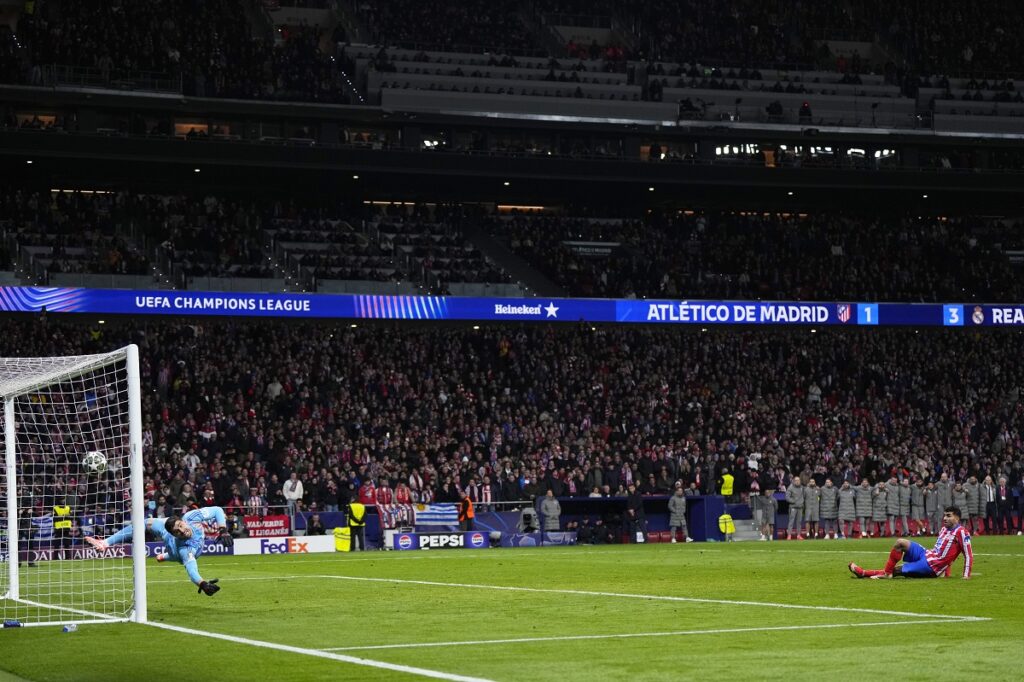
(95, 462)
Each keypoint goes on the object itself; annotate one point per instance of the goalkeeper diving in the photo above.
(183, 540)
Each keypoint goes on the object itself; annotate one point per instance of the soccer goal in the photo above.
(72, 454)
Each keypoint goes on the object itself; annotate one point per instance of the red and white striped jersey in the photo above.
(948, 546)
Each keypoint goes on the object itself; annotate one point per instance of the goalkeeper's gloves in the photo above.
(209, 587)
(225, 538)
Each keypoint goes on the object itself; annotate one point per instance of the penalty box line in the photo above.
(658, 597)
(412, 670)
(633, 635)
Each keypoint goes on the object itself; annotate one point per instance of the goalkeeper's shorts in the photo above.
(180, 554)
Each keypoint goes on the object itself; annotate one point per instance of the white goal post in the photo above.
(56, 411)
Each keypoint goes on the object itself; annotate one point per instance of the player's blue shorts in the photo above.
(915, 565)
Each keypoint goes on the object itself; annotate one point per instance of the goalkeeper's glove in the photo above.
(225, 538)
(209, 587)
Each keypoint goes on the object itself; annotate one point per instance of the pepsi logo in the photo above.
(404, 542)
(476, 539)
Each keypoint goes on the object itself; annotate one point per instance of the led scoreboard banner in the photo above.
(569, 310)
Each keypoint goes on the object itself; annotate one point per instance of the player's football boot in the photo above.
(161, 557)
(98, 544)
(856, 570)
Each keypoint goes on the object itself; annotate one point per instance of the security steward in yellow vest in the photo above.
(726, 484)
(62, 525)
(357, 525)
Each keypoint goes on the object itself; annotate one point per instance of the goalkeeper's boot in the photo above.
(98, 543)
(161, 557)
(856, 570)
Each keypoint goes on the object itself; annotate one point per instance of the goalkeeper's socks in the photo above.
(894, 558)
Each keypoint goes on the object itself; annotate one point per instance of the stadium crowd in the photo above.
(70, 232)
(470, 26)
(207, 235)
(714, 255)
(232, 410)
(760, 256)
(223, 50)
(211, 47)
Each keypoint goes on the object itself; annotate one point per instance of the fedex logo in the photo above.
(285, 546)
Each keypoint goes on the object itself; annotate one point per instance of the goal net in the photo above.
(55, 489)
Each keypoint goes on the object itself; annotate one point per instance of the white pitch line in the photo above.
(656, 597)
(440, 556)
(423, 672)
(630, 635)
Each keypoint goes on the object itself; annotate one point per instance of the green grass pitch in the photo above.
(655, 612)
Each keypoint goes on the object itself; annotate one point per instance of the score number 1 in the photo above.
(867, 313)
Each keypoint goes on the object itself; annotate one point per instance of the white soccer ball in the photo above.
(95, 462)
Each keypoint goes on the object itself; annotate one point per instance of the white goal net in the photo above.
(72, 467)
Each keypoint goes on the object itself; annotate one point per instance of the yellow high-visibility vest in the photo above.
(357, 514)
(727, 480)
(61, 517)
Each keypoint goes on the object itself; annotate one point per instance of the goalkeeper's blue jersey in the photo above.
(195, 519)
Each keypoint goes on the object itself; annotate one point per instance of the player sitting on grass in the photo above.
(183, 538)
(919, 562)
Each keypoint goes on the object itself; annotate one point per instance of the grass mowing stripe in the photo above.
(629, 635)
(863, 550)
(907, 614)
(659, 597)
(423, 672)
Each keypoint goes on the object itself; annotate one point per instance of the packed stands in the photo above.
(235, 407)
(61, 233)
(203, 49)
(472, 26)
(953, 39)
(223, 243)
(220, 242)
(773, 257)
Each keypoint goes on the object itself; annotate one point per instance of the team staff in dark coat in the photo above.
(904, 493)
(865, 505)
(828, 500)
(944, 490)
(847, 508)
(931, 507)
(1004, 507)
(880, 508)
(636, 520)
(796, 499)
(917, 511)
